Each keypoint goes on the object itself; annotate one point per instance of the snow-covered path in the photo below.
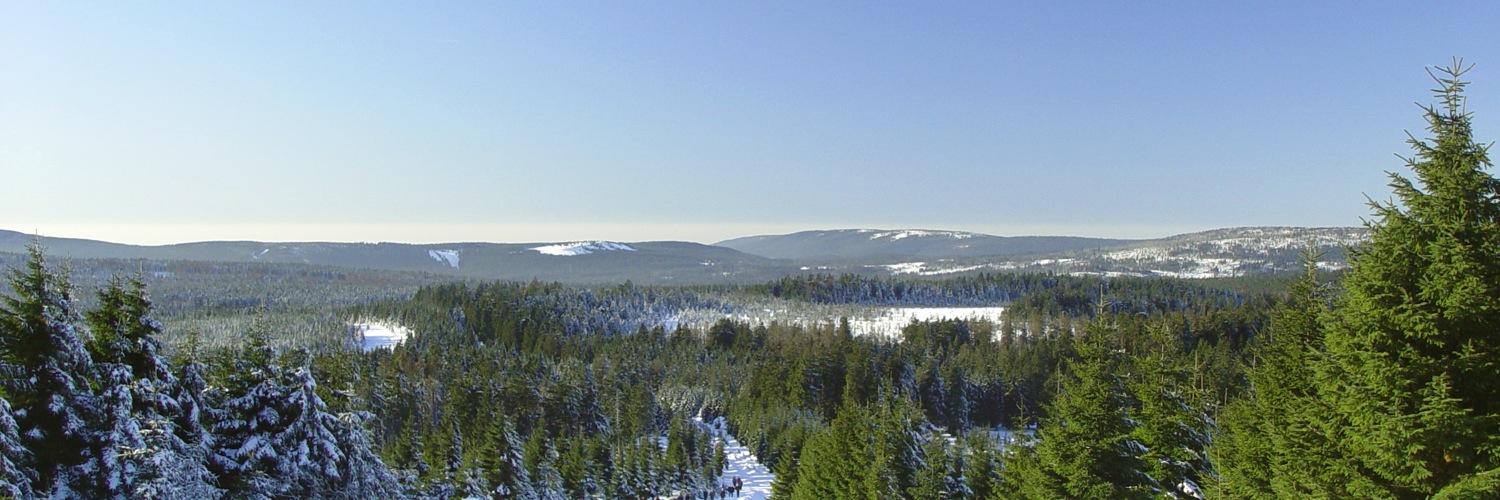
(742, 464)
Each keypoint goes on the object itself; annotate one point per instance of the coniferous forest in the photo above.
(1379, 382)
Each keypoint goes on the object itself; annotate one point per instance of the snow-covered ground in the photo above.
(919, 233)
(890, 323)
(863, 320)
(581, 248)
(925, 269)
(740, 463)
(375, 335)
(449, 257)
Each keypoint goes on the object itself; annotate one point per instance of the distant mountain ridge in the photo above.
(866, 243)
(912, 252)
(1207, 254)
(664, 262)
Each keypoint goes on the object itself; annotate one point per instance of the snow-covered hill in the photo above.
(848, 244)
(582, 248)
(1208, 254)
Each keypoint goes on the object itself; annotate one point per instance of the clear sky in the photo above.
(155, 122)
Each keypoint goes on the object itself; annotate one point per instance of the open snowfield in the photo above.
(380, 335)
(885, 321)
(581, 248)
(894, 319)
(449, 257)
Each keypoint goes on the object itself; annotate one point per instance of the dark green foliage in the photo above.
(1276, 442)
(878, 452)
(48, 375)
(1389, 390)
(1086, 447)
(1412, 352)
(1171, 424)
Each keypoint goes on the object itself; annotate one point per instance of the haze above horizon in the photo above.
(536, 122)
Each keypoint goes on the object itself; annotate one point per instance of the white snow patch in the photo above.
(375, 335)
(905, 267)
(1332, 266)
(909, 233)
(925, 269)
(894, 319)
(1048, 262)
(581, 248)
(449, 257)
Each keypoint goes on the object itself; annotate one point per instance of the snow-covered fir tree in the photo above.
(540, 457)
(48, 384)
(16, 472)
(247, 420)
(504, 468)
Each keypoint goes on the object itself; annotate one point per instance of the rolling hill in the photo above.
(845, 244)
(914, 253)
(1208, 254)
(662, 262)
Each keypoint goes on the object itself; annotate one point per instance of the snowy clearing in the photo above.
(379, 335)
(884, 321)
(581, 248)
(923, 269)
(449, 257)
(894, 319)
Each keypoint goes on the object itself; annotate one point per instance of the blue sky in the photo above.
(156, 122)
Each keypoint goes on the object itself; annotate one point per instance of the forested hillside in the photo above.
(1378, 381)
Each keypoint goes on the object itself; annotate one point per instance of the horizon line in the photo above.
(165, 234)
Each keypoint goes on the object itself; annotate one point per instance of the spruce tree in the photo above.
(541, 458)
(899, 437)
(123, 331)
(48, 372)
(1174, 432)
(142, 452)
(1412, 376)
(1086, 448)
(502, 463)
(309, 456)
(837, 462)
(1277, 440)
(245, 423)
(983, 473)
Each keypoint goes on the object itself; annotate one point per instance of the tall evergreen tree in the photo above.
(246, 421)
(540, 457)
(1172, 428)
(1086, 448)
(192, 384)
(123, 331)
(1412, 377)
(142, 452)
(1277, 440)
(503, 465)
(309, 456)
(48, 372)
(837, 461)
